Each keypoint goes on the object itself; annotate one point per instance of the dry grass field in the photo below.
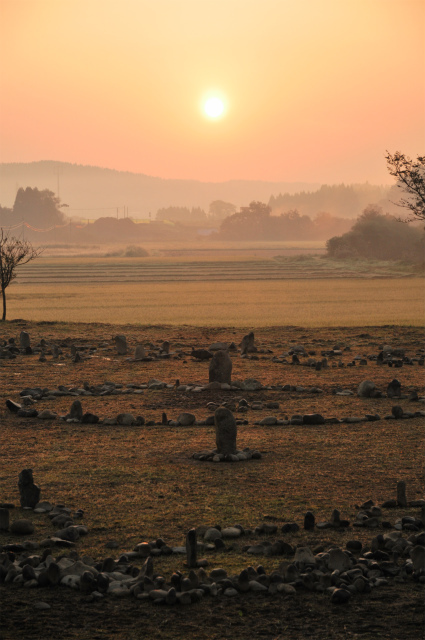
(200, 290)
(140, 483)
(331, 302)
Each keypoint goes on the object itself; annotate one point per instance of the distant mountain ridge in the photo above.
(94, 192)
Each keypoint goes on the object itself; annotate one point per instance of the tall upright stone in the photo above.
(220, 369)
(121, 345)
(24, 340)
(191, 549)
(225, 431)
(401, 494)
(29, 492)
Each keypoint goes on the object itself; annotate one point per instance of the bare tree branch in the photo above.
(410, 176)
(13, 252)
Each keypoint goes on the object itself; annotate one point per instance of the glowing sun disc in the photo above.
(214, 107)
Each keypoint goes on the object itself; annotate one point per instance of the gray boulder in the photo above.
(22, 527)
(366, 389)
(186, 419)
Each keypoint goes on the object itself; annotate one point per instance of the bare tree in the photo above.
(410, 176)
(13, 252)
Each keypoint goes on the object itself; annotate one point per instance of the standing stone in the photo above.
(401, 494)
(247, 344)
(191, 549)
(139, 354)
(165, 347)
(121, 345)
(225, 431)
(335, 518)
(220, 369)
(29, 492)
(76, 411)
(24, 340)
(394, 389)
(4, 519)
(309, 521)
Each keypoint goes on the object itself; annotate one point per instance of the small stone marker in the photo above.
(220, 369)
(76, 411)
(225, 431)
(29, 492)
(401, 494)
(394, 389)
(309, 521)
(121, 345)
(24, 340)
(397, 412)
(335, 518)
(247, 344)
(191, 549)
(139, 354)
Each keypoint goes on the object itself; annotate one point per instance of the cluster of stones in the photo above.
(26, 409)
(297, 354)
(59, 515)
(386, 356)
(334, 571)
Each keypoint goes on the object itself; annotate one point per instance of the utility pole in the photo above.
(58, 173)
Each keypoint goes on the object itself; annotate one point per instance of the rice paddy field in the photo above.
(221, 290)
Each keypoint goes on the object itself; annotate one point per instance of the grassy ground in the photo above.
(139, 483)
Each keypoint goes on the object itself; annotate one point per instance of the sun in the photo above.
(214, 107)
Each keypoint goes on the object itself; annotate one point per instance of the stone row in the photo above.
(185, 419)
(336, 572)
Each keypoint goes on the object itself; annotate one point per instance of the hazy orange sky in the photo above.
(314, 90)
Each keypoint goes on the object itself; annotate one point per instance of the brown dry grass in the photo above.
(311, 303)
